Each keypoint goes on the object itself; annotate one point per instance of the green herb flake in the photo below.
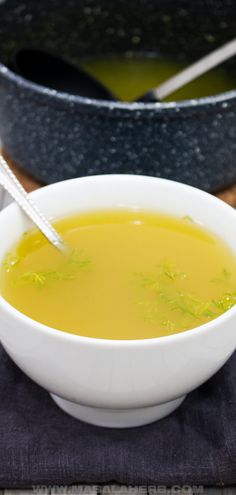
(226, 274)
(226, 302)
(10, 262)
(69, 270)
(164, 286)
(36, 278)
(188, 218)
(169, 269)
(223, 278)
(150, 282)
(78, 260)
(169, 325)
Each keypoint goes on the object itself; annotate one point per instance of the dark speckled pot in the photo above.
(55, 136)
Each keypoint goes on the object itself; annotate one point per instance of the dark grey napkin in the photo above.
(39, 444)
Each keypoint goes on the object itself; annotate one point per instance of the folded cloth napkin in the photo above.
(40, 444)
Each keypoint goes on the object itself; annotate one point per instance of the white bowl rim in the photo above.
(149, 342)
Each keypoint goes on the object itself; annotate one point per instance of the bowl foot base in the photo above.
(117, 418)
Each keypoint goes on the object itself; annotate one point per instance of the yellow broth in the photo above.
(130, 275)
(130, 77)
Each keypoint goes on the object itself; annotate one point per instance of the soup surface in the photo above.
(130, 77)
(130, 275)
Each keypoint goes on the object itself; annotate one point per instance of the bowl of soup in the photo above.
(138, 313)
(130, 47)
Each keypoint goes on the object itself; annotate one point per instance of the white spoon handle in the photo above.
(10, 182)
(195, 70)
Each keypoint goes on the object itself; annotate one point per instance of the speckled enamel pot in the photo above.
(56, 136)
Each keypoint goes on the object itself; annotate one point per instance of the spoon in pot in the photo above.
(56, 73)
(191, 72)
(11, 184)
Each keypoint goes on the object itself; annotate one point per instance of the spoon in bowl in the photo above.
(11, 184)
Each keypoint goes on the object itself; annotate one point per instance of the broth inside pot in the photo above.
(129, 77)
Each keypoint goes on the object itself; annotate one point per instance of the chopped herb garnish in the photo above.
(226, 274)
(69, 270)
(223, 278)
(226, 302)
(78, 260)
(169, 324)
(170, 271)
(150, 282)
(164, 286)
(10, 261)
(188, 218)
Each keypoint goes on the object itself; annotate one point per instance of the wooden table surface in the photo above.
(30, 184)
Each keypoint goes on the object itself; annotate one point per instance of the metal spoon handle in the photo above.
(10, 182)
(195, 70)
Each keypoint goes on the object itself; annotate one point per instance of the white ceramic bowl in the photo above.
(110, 382)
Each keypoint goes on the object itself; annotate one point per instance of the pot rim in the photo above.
(93, 104)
